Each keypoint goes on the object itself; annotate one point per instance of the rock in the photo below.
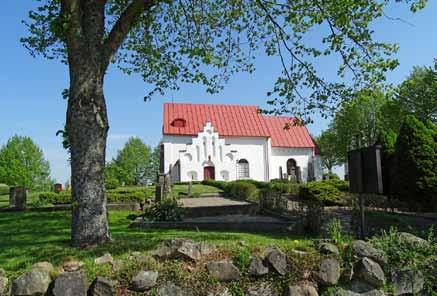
(3, 285)
(35, 281)
(144, 280)
(261, 290)
(327, 248)
(223, 271)
(69, 284)
(170, 289)
(257, 267)
(329, 272)
(412, 239)
(224, 292)
(299, 253)
(102, 287)
(106, 258)
(190, 250)
(117, 265)
(358, 286)
(407, 282)
(344, 292)
(370, 272)
(72, 266)
(182, 248)
(364, 249)
(2, 272)
(242, 243)
(276, 259)
(347, 273)
(301, 290)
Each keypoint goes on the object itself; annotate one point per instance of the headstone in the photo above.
(18, 197)
(163, 187)
(58, 188)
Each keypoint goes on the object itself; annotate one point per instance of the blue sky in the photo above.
(30, 89)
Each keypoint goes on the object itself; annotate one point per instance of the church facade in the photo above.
(232, 142)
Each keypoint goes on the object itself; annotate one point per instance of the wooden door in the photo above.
(209, 173)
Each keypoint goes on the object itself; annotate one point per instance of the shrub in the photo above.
(223, 185)
(243, 190)
(323, 192)
(166, 210)
(55, 198)
(286, 187)
(4, 189)
(335, 231)
(339, 184)
(134, 196)
(111, 183)
(330, 176)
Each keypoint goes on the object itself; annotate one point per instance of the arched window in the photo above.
(292, 169)
(179, 122)
(243, 169)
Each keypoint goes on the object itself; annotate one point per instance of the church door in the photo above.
(209, 173)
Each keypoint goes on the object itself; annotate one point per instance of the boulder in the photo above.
(117, 265)
(170, 289)
(182, 248)
(35, 281)
(329, 272)
(69, 284)
(223, 271)
(276, 259)
(261, 290)
(358, 287)
(327, 248)
(364, 249)
(370, 272)
(344, 292)
(71, 266)
(412, 239)
(257, 267)
(102, 287)
(105, 259)
(3, 285)
(223, 292)
(407, 282)
(301, 290)
(144, 280)
(347, 273)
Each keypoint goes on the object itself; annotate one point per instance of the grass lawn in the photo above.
(30, 237)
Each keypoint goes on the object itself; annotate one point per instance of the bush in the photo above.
(330, 176)
(4, 189)
(339, 184)
(166, 210)
(134, 196)
(55, 198)
(285, 187)
(111, 183)
(223, 185)
(324, 192)
(243, 190)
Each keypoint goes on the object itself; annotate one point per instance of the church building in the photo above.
(232, 142)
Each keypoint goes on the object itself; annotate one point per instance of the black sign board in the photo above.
(364, 169)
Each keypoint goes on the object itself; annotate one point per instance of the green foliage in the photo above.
(415, 167)
(22, 163)
(132, 162)
(339, 184)
(330, 175)
(323, 192)
(169, 43)
(242, 259)
(243, 190)
(4, 189)
(55, 198)
(403, 255)
(287, 187)
(335, 231)
(327, 144)
(111, 183)
(418, 93)
(166, 210)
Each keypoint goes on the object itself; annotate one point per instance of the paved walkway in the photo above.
(210, 202)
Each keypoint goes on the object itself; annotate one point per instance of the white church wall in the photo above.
(208, 149)
(279, 158)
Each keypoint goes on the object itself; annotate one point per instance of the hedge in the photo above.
(4, 189)
(324, 192)
(113, 196)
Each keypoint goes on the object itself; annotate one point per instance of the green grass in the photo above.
(30, 237)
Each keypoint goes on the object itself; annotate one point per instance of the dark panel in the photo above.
(355, 172)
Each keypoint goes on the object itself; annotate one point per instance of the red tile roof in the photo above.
(234, 121)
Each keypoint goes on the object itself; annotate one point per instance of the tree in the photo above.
(418, 93)
(132, 162)
(328, 150)
(415, 167)
(154, 162)
(168, 42)
(22, 163)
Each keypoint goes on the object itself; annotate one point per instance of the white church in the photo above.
(232, 142)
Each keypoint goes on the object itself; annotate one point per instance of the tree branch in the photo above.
(70, 11)
(122, 27)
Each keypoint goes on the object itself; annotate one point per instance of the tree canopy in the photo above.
(22, 163)
(418, 93)
(132, 162)
(326, 142)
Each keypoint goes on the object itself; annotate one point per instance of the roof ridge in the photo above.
(210, 104)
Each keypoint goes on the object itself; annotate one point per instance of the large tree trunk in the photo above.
(87, 125)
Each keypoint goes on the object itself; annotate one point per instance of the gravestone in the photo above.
(58, 188)
(163, 187)
(18, 197)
